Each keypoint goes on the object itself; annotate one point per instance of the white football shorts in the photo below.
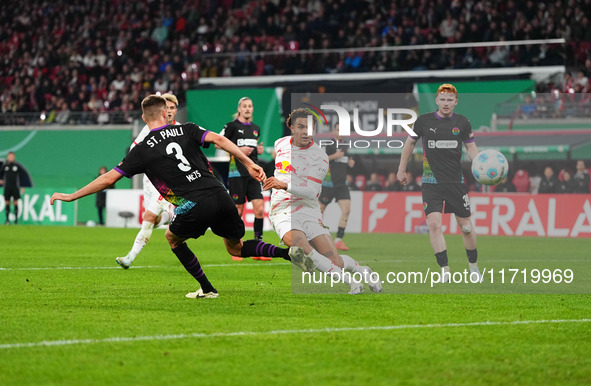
(306, 220)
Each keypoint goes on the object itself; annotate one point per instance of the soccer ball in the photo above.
(490, 167)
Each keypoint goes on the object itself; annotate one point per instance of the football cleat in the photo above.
(199, 294)
(124, 262)
(368, 277)
(262, 258)
(356, 289)
(475, 272)
(300, 259)
(341, 245)
(237, 258)
(445, 277)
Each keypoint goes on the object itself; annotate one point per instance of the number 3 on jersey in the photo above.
(175, 148)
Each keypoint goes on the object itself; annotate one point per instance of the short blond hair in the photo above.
(447, 88)
(171, 98)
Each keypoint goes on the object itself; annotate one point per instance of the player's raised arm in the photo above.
(409, 147)
(224, 143)
(101, 182)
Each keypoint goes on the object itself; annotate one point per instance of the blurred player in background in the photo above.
(443, 132)
(171, 156)
(334, 185)
(12, 177)
(245, 134)
(158, 211)
(581, 179)
(300, 167)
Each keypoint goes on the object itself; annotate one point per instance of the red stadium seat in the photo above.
(360, 181)
(382, 180)
(521, 181)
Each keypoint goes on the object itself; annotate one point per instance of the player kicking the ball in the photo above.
(158, 210)
(300, 167)
(443, 132)
(171, 156)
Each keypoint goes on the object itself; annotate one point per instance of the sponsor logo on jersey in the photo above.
(246, 142)
(433, 129)
(241, 131)
(255, 132)
(451, 144)
(455, 131)
(284, 167)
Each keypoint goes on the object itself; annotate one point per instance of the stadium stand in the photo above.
(77, 61)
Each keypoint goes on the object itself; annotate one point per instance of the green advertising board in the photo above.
(212, 109)
(35, 208)
(68, 158)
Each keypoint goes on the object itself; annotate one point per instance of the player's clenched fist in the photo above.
(402, 177)
(274, 183)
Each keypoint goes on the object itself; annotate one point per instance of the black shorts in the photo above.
(217, 212)
(455, 197)
(244, 187)
(336, 193)
(13, 193)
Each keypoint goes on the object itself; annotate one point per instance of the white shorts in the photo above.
(305, 220)
(153, 201)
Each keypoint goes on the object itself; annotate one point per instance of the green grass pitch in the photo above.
(106, 325)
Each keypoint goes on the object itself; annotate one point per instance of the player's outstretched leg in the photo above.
(191, 264)
(141, 239)
(249, 248)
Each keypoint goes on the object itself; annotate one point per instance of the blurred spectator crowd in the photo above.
(77, 60)
(565, 180)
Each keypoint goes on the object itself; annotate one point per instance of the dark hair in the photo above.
(297, 113)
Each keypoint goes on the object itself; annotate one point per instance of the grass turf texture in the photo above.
(49, 305)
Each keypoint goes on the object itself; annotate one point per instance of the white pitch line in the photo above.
(139, 267)
(70, 342)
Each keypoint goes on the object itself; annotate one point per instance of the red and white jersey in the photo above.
(302, 169)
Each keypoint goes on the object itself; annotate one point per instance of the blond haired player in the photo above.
(443, 133)
(158, 210)
(300, 167)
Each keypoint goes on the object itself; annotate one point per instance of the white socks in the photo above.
(164, 218)
(141, 239)
(324, 264)
(350, 264)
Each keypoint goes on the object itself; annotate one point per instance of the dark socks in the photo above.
(472, 255)
(441, 258)
(258, 228)
(7, 210)
(340, 233)
(260, 248)
(191, 264)
(15, 213)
